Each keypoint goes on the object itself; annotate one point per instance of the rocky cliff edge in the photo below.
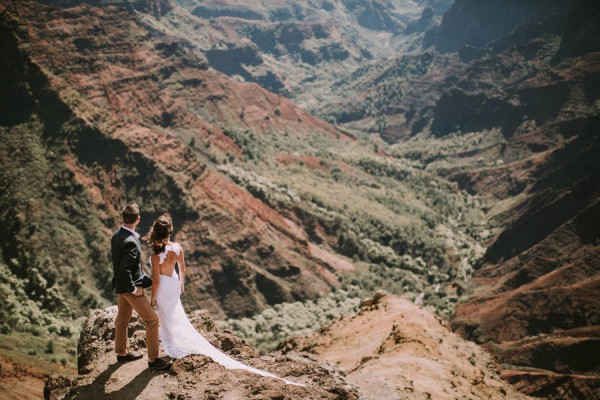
(393, 349)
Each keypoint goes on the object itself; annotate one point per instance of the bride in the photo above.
(178, 336)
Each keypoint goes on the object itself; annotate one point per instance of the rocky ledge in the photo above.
(192, 377)
(393, 349)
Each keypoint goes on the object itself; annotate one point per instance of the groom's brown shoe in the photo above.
(159, 363)
(129, 357)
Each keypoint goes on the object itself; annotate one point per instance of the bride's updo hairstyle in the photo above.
(159, 232)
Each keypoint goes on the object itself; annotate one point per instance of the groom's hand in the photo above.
(139, 291)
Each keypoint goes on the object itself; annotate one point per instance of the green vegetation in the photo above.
(32, 350)
(407, 229)
(50, 239)
(267, 329)
(455, 152)
(376, 105)
(385, 82)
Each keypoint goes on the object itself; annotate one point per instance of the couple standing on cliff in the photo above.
(178, 336)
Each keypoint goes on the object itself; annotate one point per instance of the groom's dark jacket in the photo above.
(127, 262)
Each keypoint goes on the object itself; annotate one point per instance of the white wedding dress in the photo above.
(178, 336)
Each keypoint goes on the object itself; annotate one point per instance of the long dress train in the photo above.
(179, 337)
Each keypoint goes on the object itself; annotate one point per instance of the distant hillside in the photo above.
(477, 23)
(297, 48)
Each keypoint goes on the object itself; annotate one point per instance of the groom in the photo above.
(129, 282)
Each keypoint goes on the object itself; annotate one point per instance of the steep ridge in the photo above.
(537, 290)
(514, 80)
(395, 350)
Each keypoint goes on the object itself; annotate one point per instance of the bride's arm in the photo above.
(181, 262)
(155, 278)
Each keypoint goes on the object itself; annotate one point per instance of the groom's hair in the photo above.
(130, 213)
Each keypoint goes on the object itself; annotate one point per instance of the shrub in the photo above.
(49, 347)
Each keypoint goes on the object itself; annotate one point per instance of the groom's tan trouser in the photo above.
(126, 303)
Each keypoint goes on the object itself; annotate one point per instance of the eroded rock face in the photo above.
(582, 33)
(536, 299)
(57, 387)
(424, 23)
(194, 376)
(97, 336)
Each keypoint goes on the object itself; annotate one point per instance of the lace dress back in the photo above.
(178, 336)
